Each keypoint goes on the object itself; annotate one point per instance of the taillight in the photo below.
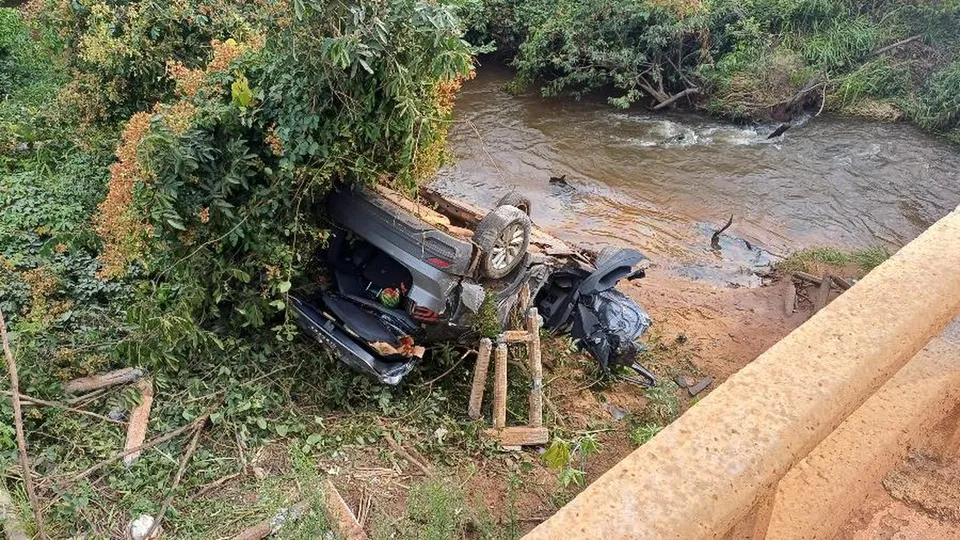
(423, 314)
(438, 262)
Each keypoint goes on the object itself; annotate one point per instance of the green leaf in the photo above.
(284, 286)
(558, 454)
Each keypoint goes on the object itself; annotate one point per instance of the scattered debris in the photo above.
(340, 515)
(168, 500)
(273, 525)
(139, 418)
(25, 469)
(715, 239)
(423, 466)
(700, 386)
(843, 283)
(96, 382)
(140, 529)
(684, 381)
(341, 518)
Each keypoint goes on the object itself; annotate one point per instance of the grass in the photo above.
(818, 259)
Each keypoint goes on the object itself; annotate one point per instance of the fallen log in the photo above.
(96, 382)
(667, 102)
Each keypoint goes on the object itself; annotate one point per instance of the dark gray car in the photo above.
(399, 276)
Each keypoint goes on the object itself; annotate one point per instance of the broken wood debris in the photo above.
(479, 378)
(139, 418)
(519, 435)
(789, 296)
(341, 517)
(424, 467)
(96, 382)
(823, 294)
(700, 386)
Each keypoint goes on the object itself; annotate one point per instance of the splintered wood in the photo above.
(534, 433)
(139, 418)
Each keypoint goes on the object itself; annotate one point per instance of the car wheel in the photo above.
(514, 198)
(502, 236)
(606, 253)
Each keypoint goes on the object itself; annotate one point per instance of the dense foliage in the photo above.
(160, 171)
(747, 59)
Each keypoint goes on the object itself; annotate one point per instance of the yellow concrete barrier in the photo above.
(819, 493)
(709, 469)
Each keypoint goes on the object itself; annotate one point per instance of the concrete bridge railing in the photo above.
(718, 469)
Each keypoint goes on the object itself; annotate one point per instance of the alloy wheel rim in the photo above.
(507, 247)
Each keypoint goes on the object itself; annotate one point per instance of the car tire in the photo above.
(514, 198)
(503, 236)
(606, 253)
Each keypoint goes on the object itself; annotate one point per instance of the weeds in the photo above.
(814, 260)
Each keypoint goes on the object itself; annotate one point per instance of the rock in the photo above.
(616, 411)
(139, 528)
(700, 386)
(684, 381)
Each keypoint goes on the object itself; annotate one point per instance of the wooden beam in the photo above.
(536, 368)
(500, 387)
(515, 336)
(520, 435)
(480, 369)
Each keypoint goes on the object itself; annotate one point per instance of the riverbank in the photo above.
(762, 60)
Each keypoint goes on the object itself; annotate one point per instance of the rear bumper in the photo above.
(346, 347)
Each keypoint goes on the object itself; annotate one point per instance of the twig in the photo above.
(902, 42)
(119, 455)
(54, 404)
(216, 483)
(18, 424)
(823, 100)
(403, 453)
(453, 367)
(168, 500)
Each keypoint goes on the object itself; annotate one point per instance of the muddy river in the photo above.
(663, 182)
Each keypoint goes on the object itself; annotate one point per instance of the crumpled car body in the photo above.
(395, 284)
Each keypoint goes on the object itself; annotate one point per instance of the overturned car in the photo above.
(398, 276)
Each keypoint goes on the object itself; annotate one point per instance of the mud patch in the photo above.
(929, 483)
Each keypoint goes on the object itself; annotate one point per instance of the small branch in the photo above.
(18, 424)
(892, 46)
(113, 378)
(176, 480)
(56, 405)
(675, 97)
(119, 455)
(403, 453)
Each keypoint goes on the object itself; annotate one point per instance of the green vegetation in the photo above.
(816, 260)
(753, 59)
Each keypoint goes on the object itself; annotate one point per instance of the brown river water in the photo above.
(664, 182)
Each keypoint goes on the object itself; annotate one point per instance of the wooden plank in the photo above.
(843, 283)
(341, 517)
(789, 296)
(86, 384)
(500, 387)
(520, 435)
(139, 418)
(807, 277)
(823, 294)
(536, 368)
(515, 336)
(424, 212)
(524, 297)
(480, 369)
